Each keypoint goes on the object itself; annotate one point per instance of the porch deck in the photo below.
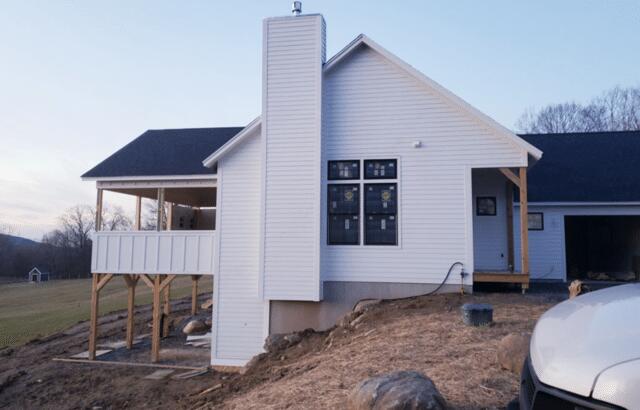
(502, 277)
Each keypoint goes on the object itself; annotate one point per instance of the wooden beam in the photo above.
(169, 216)
(93, 324)
(133, 364)
(510, 238)
(98, 221)
(194, 293)
(501, 277)
(147, 280)
(167, 280)
(104, 280)
(524, 222)
(138, 221)
(155, 331)
(132, 281)
(511, 176)
(166, 308)
(160, 213)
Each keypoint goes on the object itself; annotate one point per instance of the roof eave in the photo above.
(212, 159)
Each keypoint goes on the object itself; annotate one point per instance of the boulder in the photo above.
(208, 322)
(293, 338)
(275, 342)
(395, 391)
(194, 326)
(576, 288)
(365, 304)
(512, 351)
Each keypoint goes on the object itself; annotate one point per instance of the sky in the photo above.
(80, 79)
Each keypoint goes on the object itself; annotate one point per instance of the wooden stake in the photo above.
(194, 294)
(155, 333)
(98, 226)
(132, 281)
(93, 326)
(137, 223)
(510, 247)
(524, 224)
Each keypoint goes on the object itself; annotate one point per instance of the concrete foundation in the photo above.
(340, 298)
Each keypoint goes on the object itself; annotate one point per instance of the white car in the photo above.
(585, 353)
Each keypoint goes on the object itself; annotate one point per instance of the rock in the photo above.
(275, 342)
(477, 314)
(345, 320)
(208, 322)
(207, 304)
(577, 288)
(255, 360)
(194, 326)
(365, 304)
(512, 351)
(395, 391)
(355, 322)
(293, 338)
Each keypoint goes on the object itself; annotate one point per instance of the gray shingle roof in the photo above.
(586, 167)
(165, 152)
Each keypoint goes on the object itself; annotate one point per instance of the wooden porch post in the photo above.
(131, 281)
(93, 325)
(155, 332)
(194, 294)
(524, 225)
(160, 214)
(98, 226)
(510, 248)
(166, 309)
(138, 220)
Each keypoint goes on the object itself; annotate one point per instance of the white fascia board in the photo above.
(612, 204)
(442, 91)
(211, 160)
(152, 178)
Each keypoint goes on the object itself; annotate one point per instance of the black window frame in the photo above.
(495, 205)
(541, 228)
(368, 213)
(367, 161)
(344, 215)
(352, 161)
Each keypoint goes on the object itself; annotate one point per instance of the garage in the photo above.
(603, 247)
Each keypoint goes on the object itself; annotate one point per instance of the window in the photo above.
(535, 221)
(344, 170)
(344, 214)
(380, 169)
(376, 218)
(380, 208)
(486, 206)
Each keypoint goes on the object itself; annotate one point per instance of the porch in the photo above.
(494, 253)
(181, 241)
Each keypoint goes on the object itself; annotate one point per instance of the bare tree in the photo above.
(615, 110)
(115, 219)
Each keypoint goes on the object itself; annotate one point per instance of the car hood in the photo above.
(576, 340)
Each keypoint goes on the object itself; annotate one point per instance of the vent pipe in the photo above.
(296, 8)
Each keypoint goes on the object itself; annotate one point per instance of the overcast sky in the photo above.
(79, 79)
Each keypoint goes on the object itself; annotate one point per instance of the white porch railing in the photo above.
(152, 252)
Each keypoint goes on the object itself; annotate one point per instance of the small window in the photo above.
(535, 221)
(344, 214)
(381, 208)
(380, 169)
(486, 206)
(340, 170)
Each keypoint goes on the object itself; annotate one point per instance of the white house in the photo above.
(362, 178)
(37, 276)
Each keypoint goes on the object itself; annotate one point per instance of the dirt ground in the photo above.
(424, 334)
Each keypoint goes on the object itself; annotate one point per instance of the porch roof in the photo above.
(169, 152)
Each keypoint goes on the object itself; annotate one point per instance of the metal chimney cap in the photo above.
(296, 8)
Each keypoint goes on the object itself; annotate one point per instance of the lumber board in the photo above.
(111, 362)
(500, 277)
(511, 176)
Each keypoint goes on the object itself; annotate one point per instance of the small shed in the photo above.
(36, 275)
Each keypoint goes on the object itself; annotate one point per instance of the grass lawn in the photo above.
(29, 310)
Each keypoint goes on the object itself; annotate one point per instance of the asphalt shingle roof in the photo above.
(165, 152)
(586, 167)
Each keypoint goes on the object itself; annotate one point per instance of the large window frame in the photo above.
(362, 182)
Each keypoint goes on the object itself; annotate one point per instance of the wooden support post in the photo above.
(194, 294)
(132, 281)
(93, 325)
(137, 223)
(155, 331)
(169, 216)
(160, 213)
(510, 248)
(166, 311)
(524, 225)
(98, 226)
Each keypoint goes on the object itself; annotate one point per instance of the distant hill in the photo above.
(18, 240)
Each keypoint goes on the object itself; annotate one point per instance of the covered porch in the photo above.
(178, 240)
(493, 226)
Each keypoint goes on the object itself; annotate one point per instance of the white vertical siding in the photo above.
(294, 49)
(373, 109)
(239, 312)
(547, 253)
(490, 232)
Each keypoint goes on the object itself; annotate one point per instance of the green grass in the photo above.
(28, 311)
